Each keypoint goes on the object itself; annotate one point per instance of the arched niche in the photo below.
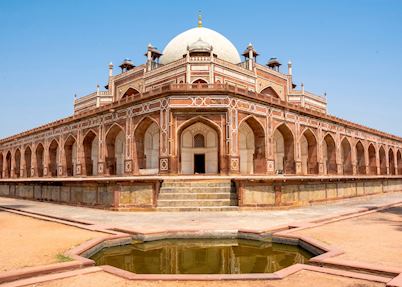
(91, 153)
(360, 159)
(146, 140)
(40, 157)
(283, 148)
(115, 150)
(53, 158)
(70, 153)
(329, 155)
(346, 157)
(308, 145)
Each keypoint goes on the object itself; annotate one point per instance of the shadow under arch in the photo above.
(283, 147)
(259, 151)
(147, 143)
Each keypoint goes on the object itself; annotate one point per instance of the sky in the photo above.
(51, 50)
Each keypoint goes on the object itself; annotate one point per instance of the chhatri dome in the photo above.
(222, 47)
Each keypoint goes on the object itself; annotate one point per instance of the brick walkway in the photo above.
(228, 221)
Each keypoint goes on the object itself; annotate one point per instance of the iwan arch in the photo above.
(197, 108)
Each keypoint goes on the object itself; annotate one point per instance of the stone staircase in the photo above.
(197, 195)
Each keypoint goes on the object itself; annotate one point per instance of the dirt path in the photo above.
(373, 238)
(27, 242)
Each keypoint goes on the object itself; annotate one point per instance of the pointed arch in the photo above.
(91, 153)
(1, 164)
(8, 165)
(391, 162)
(252, 146)
(199, 81)
(17, 163)
(383, 161)
(70, 154)
(372, 159)
(115, 150)
(130, 92)
(360, 158)
(329, 154)
(346, 157)
(269, 91)
(146, 143)
(28, 161)
(53, 157)
(398, 162)
(39, 153)
(283, 147)
(308, 142)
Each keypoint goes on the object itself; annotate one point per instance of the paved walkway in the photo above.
(217, 221)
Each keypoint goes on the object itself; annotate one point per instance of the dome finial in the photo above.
(199, 19)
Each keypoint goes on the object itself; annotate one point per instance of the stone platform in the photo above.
(197, 193)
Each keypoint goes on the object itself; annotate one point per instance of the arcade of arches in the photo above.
(200, 146)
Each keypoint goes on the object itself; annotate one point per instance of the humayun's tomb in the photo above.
(198, 126)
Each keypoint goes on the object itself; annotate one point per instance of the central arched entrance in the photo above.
(199, 149)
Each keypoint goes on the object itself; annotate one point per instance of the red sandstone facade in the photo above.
(200, 114)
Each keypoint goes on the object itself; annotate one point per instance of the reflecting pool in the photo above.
(202, 256)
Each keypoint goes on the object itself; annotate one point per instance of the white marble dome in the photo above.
(222, 47)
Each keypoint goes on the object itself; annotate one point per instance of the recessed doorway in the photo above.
(199, 163)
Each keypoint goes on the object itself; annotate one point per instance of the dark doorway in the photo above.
(199, 163)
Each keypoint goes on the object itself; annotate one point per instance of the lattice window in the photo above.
(199, 140)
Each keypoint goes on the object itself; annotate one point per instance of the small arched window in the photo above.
(199, 140)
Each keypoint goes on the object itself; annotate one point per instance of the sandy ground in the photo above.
(299, 279)
(27, 242)
(373, 238)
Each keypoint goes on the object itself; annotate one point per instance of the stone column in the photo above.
(387, 159)
(80, 155)
(297, 149)
(165, 162)
(338, 156)
(3, 171)
(128, 162)
(101, 151)
(269, 145)
(377, 160)
(320, 155)
(353, 155)
(12, 173)
(234, 158)
(23, 163)
(46, 160)
(396, 162)
(33, 171)
(366, 158)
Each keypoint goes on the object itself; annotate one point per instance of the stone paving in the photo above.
(233, 220)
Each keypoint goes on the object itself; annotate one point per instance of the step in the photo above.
(182, 189)
(195, 202)
(177, 184)
(194, 195)
(196, 209)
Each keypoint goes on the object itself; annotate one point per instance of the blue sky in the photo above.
(51, 50)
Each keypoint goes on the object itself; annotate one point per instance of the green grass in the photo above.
(63, 258)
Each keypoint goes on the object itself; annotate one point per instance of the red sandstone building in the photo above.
(198, 108)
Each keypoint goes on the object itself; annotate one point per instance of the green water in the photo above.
(211, 256)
